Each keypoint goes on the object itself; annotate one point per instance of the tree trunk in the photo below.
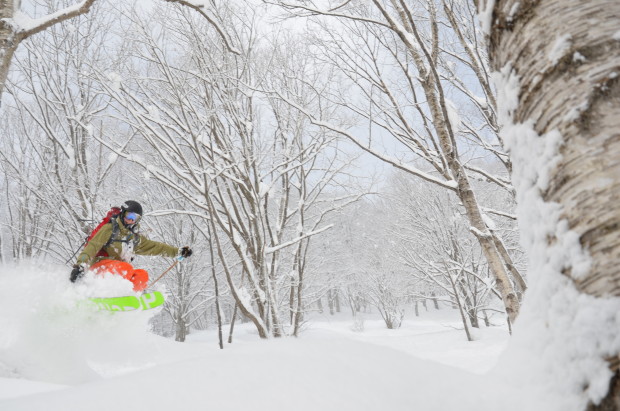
(473, 317)
(8, 42)
(291, 302)
(330, 301)
(519, 280)
(299, 315)
(7, 50)
(217, 292)
(458, 304)
(181, 329)
(232, 325)
(337, 300)
(435, 302)
(563, 58)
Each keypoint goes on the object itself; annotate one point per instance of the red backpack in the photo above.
(110, 217)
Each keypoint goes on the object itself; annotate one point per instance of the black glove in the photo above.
(76, 273)
(185, 252)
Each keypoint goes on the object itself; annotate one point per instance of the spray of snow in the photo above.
(50, 333)
(562, 336)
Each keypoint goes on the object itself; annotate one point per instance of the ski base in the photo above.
(130, 303)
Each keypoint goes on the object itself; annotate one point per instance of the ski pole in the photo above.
(176, 261)
(76, 251)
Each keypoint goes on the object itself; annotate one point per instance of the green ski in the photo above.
(130, 303)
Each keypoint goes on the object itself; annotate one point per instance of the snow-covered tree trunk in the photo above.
(457, 299)
(8, 43)
(216, 289)
(559, 100)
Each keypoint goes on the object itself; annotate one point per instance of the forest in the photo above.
(355, 157)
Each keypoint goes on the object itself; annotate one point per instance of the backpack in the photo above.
(109, 218)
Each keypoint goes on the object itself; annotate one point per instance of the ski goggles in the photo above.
(131, 216)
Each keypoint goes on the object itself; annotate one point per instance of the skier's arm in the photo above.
(150, 247)
(94, 245)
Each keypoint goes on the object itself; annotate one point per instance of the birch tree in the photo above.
(557, 65)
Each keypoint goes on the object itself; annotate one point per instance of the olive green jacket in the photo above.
(132, 244)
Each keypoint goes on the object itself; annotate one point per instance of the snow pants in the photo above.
(138, 277)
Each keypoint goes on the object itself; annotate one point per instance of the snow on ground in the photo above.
(435, 335)
(54, 356)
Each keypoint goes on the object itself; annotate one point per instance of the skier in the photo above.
(114, 246)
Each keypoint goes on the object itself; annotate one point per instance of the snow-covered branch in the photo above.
(278, 247)
(24, 26)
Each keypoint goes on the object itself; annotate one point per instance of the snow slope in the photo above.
(308, 374)
(56, 357)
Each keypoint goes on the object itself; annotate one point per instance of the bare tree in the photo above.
(387, 292)
(318, 185)
(16, 26)
(433, 240)
(57, 111)
(26, 226)
(390, 53)
(207, 129)
(187, 284)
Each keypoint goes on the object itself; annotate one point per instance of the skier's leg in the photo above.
(139, 279)
(121, 268)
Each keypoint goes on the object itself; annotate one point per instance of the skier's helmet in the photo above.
(131, 206)
(131, 209)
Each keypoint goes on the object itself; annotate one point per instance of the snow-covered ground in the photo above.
(56, 357)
